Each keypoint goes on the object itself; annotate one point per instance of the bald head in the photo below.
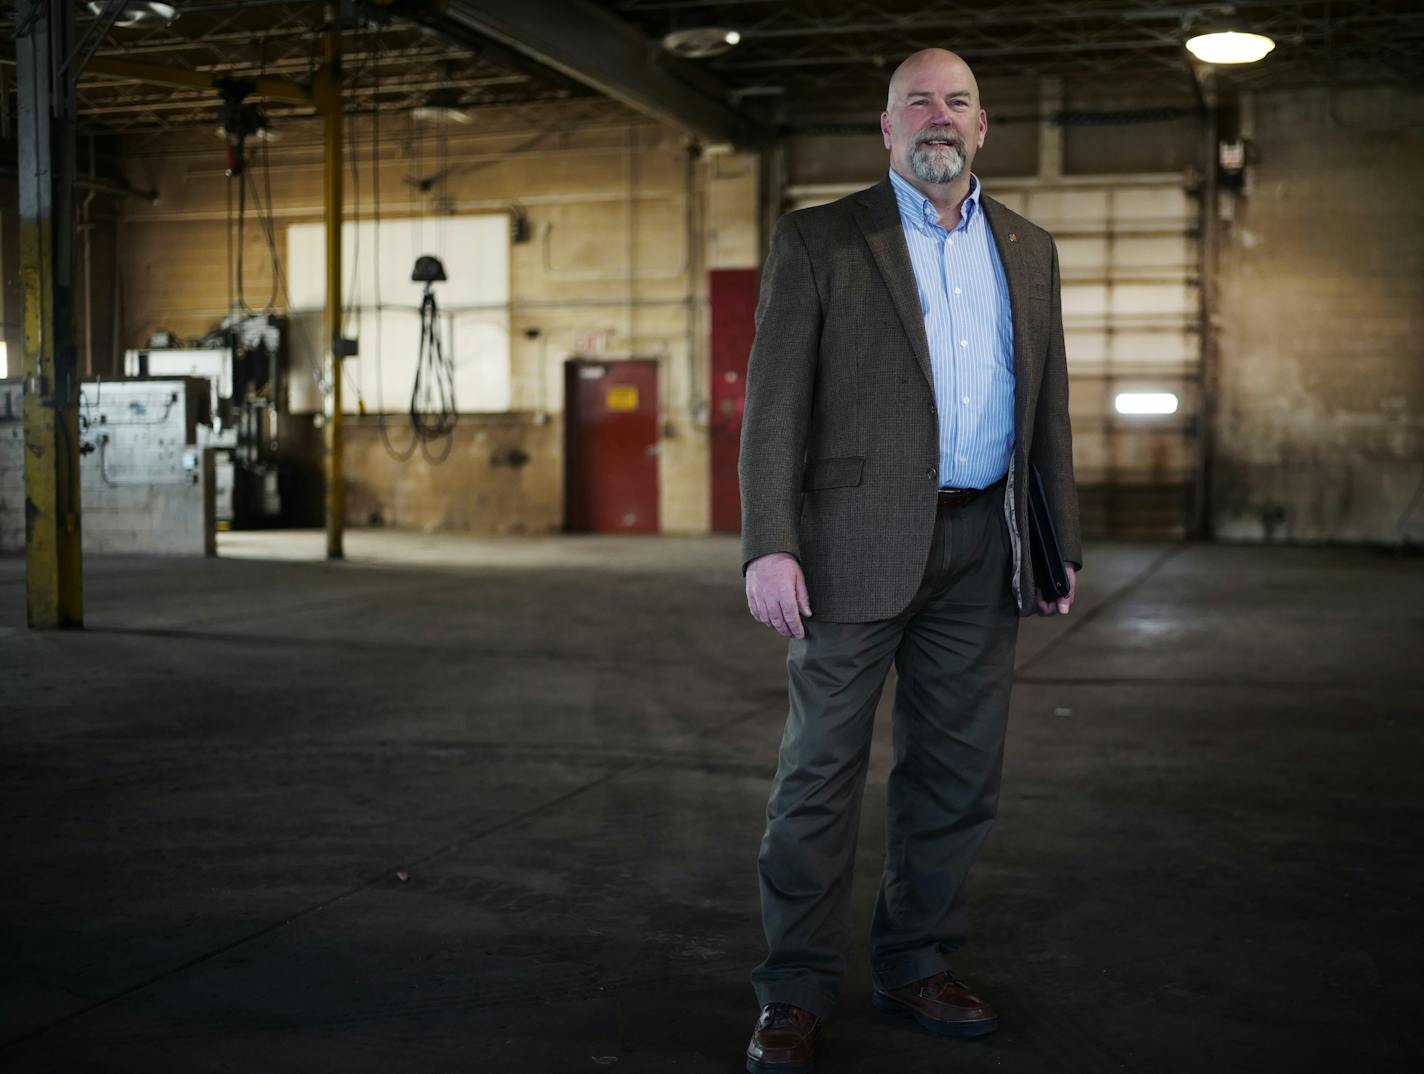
(933, 123)
(934, 63)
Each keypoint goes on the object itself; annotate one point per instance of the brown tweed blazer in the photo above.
(840, 435)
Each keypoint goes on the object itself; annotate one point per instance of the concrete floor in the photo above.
(1208, 856)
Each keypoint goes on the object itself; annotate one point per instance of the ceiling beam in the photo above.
(590, 45)
(184, 78)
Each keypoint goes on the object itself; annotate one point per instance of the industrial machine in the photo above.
(146, 484)
(245, 362)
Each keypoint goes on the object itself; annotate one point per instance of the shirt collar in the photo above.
(918, 211)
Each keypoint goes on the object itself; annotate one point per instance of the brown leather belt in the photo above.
(963, 497)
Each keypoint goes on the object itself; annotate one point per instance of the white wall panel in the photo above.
(474, 306)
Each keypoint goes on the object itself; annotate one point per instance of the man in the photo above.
(908, 368)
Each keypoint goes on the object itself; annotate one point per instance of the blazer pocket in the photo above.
(832, 473)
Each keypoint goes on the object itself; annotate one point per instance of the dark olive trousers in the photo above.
(953, 649)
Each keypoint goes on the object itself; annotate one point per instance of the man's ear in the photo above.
(885, 128)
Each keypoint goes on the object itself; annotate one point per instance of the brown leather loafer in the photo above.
(940, 1004)
(784, 1041)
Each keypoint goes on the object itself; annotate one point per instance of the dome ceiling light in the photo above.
(1229, 46)
(702, 42)
(442, 106)
(138, 13)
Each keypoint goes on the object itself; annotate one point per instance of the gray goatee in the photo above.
(938, 163)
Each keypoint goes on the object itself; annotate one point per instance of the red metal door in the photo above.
(610, 446)
(732, 295)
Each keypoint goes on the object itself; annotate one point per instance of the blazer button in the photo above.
(932, 473)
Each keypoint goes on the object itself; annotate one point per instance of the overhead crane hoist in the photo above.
(239, 121)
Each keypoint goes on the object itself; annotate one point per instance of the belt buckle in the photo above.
(955, 497)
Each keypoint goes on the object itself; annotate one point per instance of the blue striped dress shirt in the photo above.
(965, 301)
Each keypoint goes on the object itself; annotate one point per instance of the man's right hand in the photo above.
(776, 593)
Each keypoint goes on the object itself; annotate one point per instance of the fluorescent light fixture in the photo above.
(1229, 47)
(4, 360)
(701, 42)
(1145, 403)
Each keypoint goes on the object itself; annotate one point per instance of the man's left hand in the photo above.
(1062, 604)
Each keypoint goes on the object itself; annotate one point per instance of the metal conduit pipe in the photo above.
(96, 184)
(696, 341)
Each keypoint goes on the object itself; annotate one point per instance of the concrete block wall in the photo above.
(1320, 407)
(504, 475)
(624, 223)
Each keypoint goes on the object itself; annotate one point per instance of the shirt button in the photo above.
(956, 290)
(964, 342)
(961, 458)
(965, 400)
(951, 242)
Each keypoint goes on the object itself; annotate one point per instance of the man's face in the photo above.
(933, 124)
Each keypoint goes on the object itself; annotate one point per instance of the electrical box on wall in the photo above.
(1231, 165)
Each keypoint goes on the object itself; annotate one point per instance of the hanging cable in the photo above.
(432, 397)
(399, 454)
(266, 230)
(432, 411)
(353, 146)
(352, 152)
(241, 224)
(231, 301)
(240, 121)
(264, 218)
(443, 146)
(244, 181)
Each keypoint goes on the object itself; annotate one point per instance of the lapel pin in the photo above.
(1013, 237)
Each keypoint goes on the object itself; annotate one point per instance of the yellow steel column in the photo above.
(53, 566)
(326, 91)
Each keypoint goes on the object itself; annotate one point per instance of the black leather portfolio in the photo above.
(1051, 578)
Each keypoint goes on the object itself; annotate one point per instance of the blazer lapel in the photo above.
(879, 218)
(1016, 273)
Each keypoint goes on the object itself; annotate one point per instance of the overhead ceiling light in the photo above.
(442, 106)
(701, 42)
(138, 13)
(1229, 47)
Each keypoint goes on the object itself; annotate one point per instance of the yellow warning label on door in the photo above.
(623, 397)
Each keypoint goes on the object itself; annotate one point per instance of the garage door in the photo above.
(1129, 253)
